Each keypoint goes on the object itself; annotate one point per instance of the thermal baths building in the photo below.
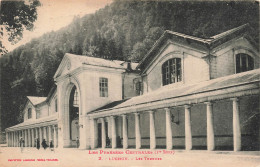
(186, 93)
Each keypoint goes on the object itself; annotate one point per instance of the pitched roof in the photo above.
(203, 44)
(36, 100)
(221, 35)
(80, 59)
(170, 91)
(36, 122)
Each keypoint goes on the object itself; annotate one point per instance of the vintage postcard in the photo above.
(129, 83)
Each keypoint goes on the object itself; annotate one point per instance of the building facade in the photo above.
(186, 93)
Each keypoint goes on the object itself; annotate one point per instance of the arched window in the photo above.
(171, 71)
(29, 113)
(244, 63)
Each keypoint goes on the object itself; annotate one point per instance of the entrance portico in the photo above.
(68, 122)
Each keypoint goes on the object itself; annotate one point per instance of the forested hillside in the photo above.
(122, 30)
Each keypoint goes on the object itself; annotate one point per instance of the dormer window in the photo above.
(29, 113)
(171, 71)
(244, 63)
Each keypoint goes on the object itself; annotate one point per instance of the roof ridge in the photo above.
(86, 56)
(215, 37)
(35, 100)
(35, 96)
(189, 36)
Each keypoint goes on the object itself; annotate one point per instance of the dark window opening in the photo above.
(29, 113)
(56, 105)
(244, 63)
(76, 99)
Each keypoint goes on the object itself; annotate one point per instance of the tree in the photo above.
(17, 16)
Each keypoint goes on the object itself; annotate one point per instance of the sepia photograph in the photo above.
(104, 83)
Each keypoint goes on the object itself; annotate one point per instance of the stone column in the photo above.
(33, 137)
(94, 134)
(61, 115)
(49, 135)
(54, 136)
(137, 131)
(103, 133)
(113, 129)
(44, 133)
(152, 131)
(26, 138)
(18, 135)
(23, 135)
(11, 134)
(83, 120)
(210, 128)
(40, 134)
(188, 135)
(125, 135)
(236, 125)
(10, 139)
(29, 138)
(13, 139)
(17, 138)
(168, 129)
(36, 133)
(6, 137)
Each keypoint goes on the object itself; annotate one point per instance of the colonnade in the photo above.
(48, 133)
(169, 135)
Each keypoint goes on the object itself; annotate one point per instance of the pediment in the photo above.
(236, 44)
(68, 64)
(28, 105)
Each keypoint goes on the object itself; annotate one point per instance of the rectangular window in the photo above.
(138, 88)
(103, 87)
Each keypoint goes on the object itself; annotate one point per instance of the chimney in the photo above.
(129, 68)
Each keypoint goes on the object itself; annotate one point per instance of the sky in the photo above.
(55, 14)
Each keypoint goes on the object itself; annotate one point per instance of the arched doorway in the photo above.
(74, 116)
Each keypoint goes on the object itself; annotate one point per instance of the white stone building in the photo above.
(186, 93)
